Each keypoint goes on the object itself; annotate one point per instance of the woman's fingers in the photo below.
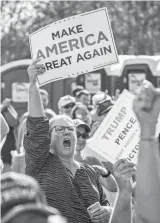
(35, 61)
(40, 66)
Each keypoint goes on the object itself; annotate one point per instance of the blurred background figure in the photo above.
(84, 97)
(81, 112)
(4, 132)
(33, 214)
(45, 101)
(11, 117)
(4, 129)
(96, 99)
(23, 201)
(102, 110)
(77, 89)
(19, 189)
(65, 105)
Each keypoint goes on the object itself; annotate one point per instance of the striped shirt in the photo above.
(70, 195)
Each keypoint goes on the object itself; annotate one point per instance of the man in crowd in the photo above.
(77, 89)
(147, 109)
(19, 189)
(45, 101)
(4, 132)
(81, 112)
(11, 117)
(84, 97)
(102, 110)
(22, 200)
(65, 105)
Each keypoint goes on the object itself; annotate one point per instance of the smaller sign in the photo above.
(135, 80)
(20, 92)
(118, 136)
(93, 82)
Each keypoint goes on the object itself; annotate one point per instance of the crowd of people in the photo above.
(46, 176)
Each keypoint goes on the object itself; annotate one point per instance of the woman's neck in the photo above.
(71, 165)
(68, 162)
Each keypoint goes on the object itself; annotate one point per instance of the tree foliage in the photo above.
(135, 24)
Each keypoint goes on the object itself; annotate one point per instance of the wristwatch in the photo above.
(106, 175)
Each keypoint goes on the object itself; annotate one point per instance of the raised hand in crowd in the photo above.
(147, 109)
(123, 171)
(35, 69)
(35, 103)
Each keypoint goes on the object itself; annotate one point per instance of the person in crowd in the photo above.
(33, 214)
(18, 156)
(65, 105)
(4, 129)
(69, 186)
(81, 112)
(96, 99)
(11, 117)
(147, 109)
(19, 189)
(106, 178)
(84, 97)
(45, 101)
(4, 132)
(102, 110)
(76, 90)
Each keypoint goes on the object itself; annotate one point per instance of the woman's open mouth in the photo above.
(67, 142)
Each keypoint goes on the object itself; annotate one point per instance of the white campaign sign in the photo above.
(119, 134)
(75, 45)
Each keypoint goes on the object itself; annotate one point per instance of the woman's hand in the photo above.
(100, 170)
(102, 215)
(34, 70)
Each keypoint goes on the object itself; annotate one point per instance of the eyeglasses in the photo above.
(71, 105)
(84, 135)
(61, 129)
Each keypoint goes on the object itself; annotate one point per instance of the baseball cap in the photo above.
(32, 213)
(19, 189)
(77, 89)
(104, 106)
(79, 122)
(85, 92)
(65, 100)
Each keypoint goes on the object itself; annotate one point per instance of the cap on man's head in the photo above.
(85, 92)
(65, 100)
(77, 89)
(104, 107)
(33, 214)
(79, 123)
(19, 189)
